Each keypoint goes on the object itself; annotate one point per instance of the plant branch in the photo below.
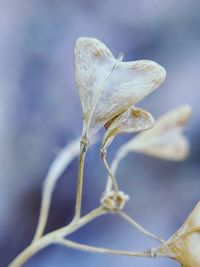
(50, 238)
(121, 153)
(111, 177)
(139, 227)
(83, 150)
(60, 163)
(87, 248)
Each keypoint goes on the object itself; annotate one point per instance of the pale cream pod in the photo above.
(165, 140)
(131, 121)
(184, 245)
(107, 86)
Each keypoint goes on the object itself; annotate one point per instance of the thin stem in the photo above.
(60, 163)
(87, 248)
(121, 153)
(83, 149)
(111, 176)
(44, 212)
(50, 238)
(68, 229)
(139, 227)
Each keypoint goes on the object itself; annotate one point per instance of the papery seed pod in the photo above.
(165, 140)
(107, 86)
(184, 245)
(131, 121)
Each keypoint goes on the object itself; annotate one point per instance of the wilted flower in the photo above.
(107, 86)
(184, 245)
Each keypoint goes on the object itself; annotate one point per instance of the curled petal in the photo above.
(131, 121)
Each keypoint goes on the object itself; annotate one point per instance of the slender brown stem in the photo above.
(83, 149)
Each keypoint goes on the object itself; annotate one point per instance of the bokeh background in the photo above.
(40, 113)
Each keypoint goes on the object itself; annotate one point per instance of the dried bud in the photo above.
(114, 201)
(184, 245)
(165, 140)
(133, 120)
(107, 86)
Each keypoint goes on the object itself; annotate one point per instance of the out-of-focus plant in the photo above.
(109, 90)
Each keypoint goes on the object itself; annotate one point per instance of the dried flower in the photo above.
(109, 90)
(184, 245)
(107, 86)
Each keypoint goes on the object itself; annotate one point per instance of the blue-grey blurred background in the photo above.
(40, 113)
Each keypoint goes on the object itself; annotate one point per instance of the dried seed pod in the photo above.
(184, 245)
(131, 121)
(107, 86)
(165, 140)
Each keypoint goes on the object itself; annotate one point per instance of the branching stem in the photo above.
(51, 238)
(121, 153)
(63, 159)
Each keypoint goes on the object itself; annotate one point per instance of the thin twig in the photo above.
(139, 227)
(50, 238)
(83, 150)
(111, 177)
(66, 155)
(121, 153)
(87, 248)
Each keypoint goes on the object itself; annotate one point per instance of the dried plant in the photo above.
(109, 90)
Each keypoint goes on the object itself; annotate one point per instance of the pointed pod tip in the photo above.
(163, 73)
(160, 73)
(153, 69)
(187, 109)
(184, 112)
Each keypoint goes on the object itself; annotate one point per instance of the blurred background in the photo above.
(40, 113)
